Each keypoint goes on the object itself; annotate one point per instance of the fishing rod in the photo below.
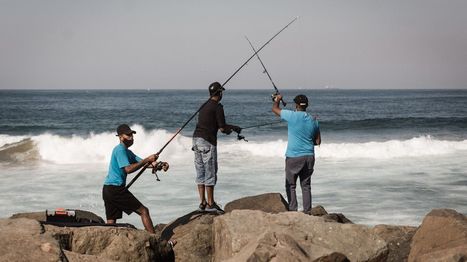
(256, 52)
(266, 71)
(188, 121)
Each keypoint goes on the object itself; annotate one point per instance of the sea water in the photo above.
(387, 156)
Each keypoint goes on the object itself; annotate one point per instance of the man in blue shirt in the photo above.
(116, 196)
(303, 135)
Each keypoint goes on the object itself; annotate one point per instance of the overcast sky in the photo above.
(188, 44)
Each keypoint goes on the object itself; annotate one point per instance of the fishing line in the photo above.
(241, 137)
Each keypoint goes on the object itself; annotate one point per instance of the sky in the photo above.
(96, 44)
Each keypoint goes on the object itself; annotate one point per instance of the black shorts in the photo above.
(118, 199)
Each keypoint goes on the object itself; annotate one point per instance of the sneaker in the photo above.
(202, 206)
(214, 208)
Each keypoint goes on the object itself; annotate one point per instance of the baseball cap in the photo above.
(215, 88)
(124, 129)
(301, 100)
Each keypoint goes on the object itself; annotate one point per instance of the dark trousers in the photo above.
(299, 167)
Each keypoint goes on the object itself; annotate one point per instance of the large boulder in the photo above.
(275, 203)
(269, 203)
(273, 246)
(194, 235)
(243, 235)
(442, 236)
(22, 240)
(398, 239)
(107, 243)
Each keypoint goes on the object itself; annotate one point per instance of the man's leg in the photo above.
(290, 188)
(148, 225)
(293, 166)
(210, 164)
(210, 193)
(200, 148)
(305, 183)
(202, 194)
(111, 221)
(146, 219)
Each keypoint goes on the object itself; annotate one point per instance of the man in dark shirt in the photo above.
(210, 119)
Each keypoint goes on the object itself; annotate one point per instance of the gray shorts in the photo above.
(205, 162)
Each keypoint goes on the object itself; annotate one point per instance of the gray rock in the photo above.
(337, 217)
(442, 236)
(21, 240)
(243, 231)
(269, 245)
(24, 239)
(269, 203)
(194, 235)
(318, 211)
(107, 243)
(398, 238)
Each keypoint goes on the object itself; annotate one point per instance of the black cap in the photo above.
(215, 88)
(124, 129)
(301, 100)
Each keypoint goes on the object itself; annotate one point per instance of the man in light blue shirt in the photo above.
(117, 198)
(303, 135)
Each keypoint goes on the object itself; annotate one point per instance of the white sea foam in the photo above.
(96, 148)
(415, 147)
(400, 171)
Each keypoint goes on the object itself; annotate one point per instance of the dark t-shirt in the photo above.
(210, 119)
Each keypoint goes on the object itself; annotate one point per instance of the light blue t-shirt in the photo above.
(302, 129)
(121, 157)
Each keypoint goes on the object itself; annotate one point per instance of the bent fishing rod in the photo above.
(265, 71)
(188, 121)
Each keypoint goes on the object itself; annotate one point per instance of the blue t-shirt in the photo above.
(121, 157)
(302, 129)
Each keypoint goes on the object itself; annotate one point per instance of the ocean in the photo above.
(387, 156)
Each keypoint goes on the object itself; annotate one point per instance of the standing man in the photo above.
(116, 196)
(210, 119)
(303, 135)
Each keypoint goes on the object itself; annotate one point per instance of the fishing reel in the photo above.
(240, 137)
(160, 166)
(273, 97)
(238, 130)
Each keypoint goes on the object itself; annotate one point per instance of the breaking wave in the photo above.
(96, 148)
(20, 151)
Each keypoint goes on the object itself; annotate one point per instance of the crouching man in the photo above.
(117, 198)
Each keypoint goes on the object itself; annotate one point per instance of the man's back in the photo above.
(210, 119)
(302, 130)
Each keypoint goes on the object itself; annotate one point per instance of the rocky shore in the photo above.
(256, 228)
